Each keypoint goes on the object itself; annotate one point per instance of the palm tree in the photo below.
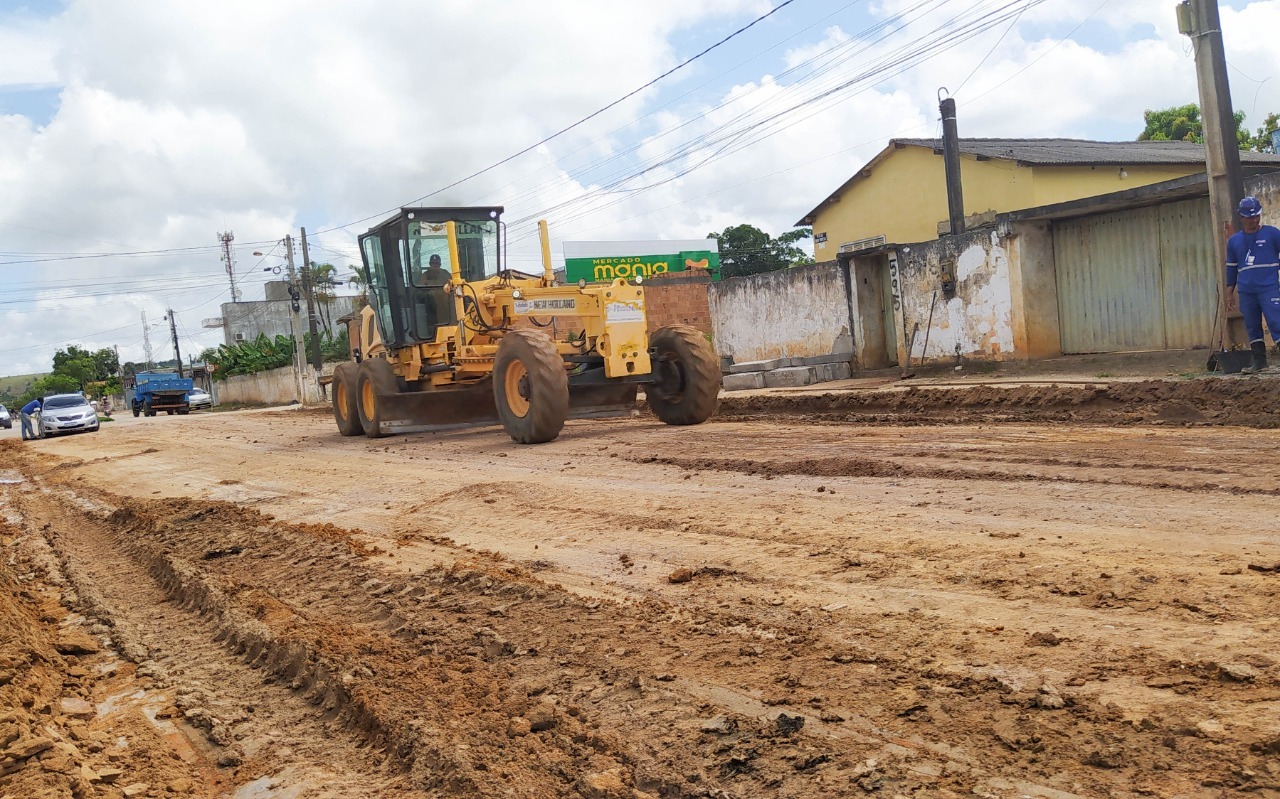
(358, 281)
(323, 284)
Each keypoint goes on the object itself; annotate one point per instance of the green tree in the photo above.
(1183, 123)
(748, 250)
(49, 384)
(85, 367)
(106, 363)
(1260, 141)
(1176, 123)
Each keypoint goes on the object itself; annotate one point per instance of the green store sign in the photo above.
(601, 262)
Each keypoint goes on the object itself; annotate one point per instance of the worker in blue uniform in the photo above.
(28, 426)
(1253, 279)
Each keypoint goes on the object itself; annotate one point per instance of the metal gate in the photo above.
(1136, 280)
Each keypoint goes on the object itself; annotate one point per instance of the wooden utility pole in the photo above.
(1199, 20)
(951, 165)
(299, 355)
(177, 353)
(309, 288)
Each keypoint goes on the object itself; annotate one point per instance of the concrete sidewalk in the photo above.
(1095, 369)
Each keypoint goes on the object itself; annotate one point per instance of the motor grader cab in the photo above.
(453, 337)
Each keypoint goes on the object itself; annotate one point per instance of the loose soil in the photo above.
(1036, 591)
(1206, 401)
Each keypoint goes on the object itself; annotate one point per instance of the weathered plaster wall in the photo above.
(1267, 189)
(978, 320)
(272, 387)
(1033, 287)
(802, 311)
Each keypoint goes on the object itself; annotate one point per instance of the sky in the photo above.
(134, 132)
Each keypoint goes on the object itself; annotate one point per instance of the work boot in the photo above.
(1259, 351)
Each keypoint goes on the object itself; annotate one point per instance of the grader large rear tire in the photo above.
(687, 388)
(345, 391)
(530, 387)
(376, 377)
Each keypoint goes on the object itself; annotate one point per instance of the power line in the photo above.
(745, 131)
(818, 65)
(590, 116)
(993, 48)
(1038, 58)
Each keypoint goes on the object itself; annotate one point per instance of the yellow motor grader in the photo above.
(453, 337)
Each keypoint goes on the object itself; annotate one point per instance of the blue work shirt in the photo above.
(31, 407)
(1254, 260)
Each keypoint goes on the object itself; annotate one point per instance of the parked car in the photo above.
(67, 413)
(199, 398)
(6, 419)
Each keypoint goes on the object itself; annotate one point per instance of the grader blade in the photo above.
(473, 406)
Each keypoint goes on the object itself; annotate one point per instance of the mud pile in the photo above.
(1208, 401)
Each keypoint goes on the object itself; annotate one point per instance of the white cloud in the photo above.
(177, 121)
(27, 52)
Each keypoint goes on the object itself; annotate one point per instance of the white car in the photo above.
(199, 398)
(67, 413)
(6, 420)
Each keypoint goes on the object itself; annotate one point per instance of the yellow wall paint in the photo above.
(905, 196)
(1058, 184)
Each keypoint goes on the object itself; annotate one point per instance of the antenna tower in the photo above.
(228, 258)
(146, 340)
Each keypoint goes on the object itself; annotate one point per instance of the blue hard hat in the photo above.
(1250, 206)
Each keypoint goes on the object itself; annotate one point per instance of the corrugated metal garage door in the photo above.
(1136, 280)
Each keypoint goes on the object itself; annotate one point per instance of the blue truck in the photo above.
(148, 393)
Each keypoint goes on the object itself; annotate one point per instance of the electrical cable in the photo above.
(942, 38)
(1038, 58)
(687, 147)
(993, 49)
(590, 116)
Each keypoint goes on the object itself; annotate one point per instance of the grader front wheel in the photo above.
(344, 388)
(687, 385)
(530, 387)
(375, 378)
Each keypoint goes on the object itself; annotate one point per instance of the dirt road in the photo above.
(795, 605)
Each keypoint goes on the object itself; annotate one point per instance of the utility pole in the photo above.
(177, 353)
(951, 165)
(229, 260)
(309, 287)
(299, 356)
(1198, 19)
(146, 341)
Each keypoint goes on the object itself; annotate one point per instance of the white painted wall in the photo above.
(272, 387)
(978, 319)
(802, 311)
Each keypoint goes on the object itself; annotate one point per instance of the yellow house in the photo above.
(900, 196)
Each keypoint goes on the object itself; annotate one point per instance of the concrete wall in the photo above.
(272, 387)
(272, 317)
(1033, 287)
(977, 321)
(802, 311)
(1267, 189)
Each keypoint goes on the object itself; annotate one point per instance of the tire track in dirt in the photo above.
(500, 631)
(692, 682)
(162, 624)
(843, 466)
